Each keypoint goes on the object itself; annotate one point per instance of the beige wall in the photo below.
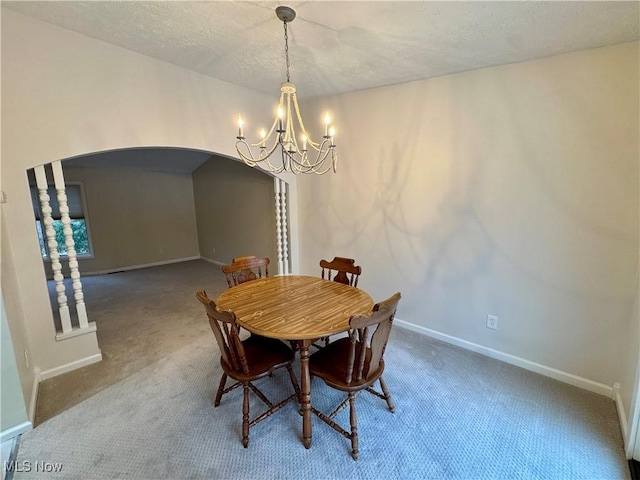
(11, 397)
(510, 191)
(235, 211)
(65, 95)
(136, 216)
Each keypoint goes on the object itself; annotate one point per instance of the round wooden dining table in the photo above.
(296, 308)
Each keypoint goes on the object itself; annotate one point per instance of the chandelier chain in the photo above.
(286, 48)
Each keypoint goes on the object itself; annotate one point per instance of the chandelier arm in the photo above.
(250, 157)
(314, 145)
(320, 159)
(333, 165)
(286, 161)
(270, 166)
(293, 165)
(242, 144)
(268, 135)
(313, 170)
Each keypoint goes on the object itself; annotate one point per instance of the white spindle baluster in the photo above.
(54, 255)
(278, 225)
(58, 178)
(285, 227)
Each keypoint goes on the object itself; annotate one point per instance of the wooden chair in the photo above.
(355, 363)
(345, 270)
(246, 361)
(243, 269)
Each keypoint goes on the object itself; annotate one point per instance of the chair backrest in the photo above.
(369, 336)
(345, 268)
(226, 331)
(243, 269)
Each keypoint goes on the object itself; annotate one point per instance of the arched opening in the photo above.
(154, 207)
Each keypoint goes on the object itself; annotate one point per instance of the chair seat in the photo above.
(331, 362)
(263, 355)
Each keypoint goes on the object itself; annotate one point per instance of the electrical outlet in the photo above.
(492, 322)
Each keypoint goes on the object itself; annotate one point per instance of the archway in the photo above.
(161, 179)
(150, 206)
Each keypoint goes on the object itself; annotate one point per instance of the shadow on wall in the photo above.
(405, 210)
(477, 178)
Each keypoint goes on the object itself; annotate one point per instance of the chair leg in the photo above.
(245, 416)
(294, 382)
(387, 395)
(223, 380)
(354, 426)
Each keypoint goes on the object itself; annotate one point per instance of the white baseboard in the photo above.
(34, 395)
(83, 362)
(628, 436)
(211, 260)
(565, 377)
(19, 429)
(143, 265)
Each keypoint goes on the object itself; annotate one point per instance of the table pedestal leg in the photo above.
(305, 381)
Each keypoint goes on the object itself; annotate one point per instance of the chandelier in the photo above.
(296, 154)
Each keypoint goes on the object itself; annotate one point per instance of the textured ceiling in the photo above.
(343, 46)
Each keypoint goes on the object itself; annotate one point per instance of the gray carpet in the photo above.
(459, 415)
(142, 316)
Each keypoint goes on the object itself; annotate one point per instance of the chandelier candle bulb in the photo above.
(240, 124)
(280, 115)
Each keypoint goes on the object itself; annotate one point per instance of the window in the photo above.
(79, 223)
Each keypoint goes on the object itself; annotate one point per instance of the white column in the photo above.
(54, 255)
(58, 178)
(285, 226)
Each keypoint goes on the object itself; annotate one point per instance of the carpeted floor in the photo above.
(142, 316)
(459, 415)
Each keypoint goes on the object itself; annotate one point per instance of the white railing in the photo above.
(54, 255)
(83, 326)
